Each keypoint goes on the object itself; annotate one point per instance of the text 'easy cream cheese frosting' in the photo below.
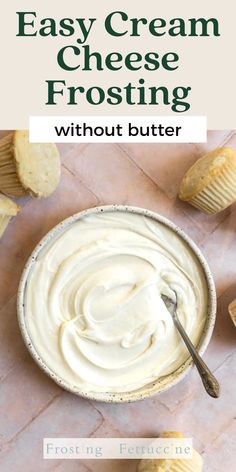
(93, 301)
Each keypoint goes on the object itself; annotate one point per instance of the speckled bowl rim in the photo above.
(163, 383)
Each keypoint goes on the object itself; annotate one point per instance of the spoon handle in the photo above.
(209, 381)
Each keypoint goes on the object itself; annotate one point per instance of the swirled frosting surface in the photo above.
(93, 301)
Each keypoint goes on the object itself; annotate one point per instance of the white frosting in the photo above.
(93, 305)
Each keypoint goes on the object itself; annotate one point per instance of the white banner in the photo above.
(107, 129)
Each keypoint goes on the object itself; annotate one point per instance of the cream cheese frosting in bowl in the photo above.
(90, 307)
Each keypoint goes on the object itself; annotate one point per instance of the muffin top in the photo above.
(7, 206)
(38, 165)
(205, 169)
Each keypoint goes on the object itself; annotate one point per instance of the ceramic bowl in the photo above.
(159, 385)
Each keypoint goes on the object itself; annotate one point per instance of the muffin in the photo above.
(28, 168)
(195, 464)
(232, 311)
(210, 184)
(8, 209)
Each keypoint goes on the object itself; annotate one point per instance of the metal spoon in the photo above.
(209, 381)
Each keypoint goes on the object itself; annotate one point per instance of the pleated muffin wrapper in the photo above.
(195, 464)
(8, 209)
(28, 168)
(210, 184)
(232, 311)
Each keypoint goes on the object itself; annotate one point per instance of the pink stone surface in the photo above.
(31, 405)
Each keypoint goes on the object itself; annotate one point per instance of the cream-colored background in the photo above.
(206, 64)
